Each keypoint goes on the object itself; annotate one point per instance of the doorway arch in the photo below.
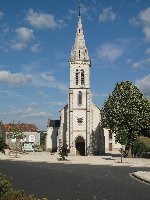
(80, 146)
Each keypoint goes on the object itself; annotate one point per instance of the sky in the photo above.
(36, 37)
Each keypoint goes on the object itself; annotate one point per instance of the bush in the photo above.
(146, 154)
(2, 144)
(63, 152)
(8, 193)
(139, 149)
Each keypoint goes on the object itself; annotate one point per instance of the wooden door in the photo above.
(110, 146)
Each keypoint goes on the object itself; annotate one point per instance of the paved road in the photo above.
(72, 182)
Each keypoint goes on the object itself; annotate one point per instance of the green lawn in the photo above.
(145, 140)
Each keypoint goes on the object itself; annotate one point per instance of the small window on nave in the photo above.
(80, 98)
(82, 77)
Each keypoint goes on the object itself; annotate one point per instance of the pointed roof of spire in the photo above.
(79, 50)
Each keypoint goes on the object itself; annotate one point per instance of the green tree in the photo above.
(126, 113)
(15, 131)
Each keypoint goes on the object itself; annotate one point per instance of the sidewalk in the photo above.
(142, 176)
(90, 160)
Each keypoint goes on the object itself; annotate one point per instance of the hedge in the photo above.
(8, 193)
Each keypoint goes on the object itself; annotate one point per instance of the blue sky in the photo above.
(36, 37)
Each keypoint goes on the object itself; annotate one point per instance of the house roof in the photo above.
(53, 123)
(22, 127)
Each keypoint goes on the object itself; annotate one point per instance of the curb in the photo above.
(140, 178)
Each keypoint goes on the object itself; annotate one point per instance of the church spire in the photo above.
(79, 51)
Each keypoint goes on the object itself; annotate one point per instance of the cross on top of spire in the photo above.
(79, 8)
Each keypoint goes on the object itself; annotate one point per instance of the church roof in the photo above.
(79, 50)
(53, 123)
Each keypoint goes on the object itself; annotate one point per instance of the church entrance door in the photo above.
(80, 146)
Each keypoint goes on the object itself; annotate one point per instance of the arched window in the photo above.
(82, 77)
(77, 76)
(79, 54)
(79, 97)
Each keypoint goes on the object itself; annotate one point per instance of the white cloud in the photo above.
(84, 9)
(109, 52)
(44, 80)
(147, 51)
(47, 80)
(144, 85)
(16, 78)
(146, 31)
(107, 15)
(43, 94)
(129, 61)
(1, 14)
(19, 45)
(134, 21)
(10, 93)
(94, 1)
(72, 12)
(57, 103)
(36, 48)
(141, 63)
(26, 113)
(145, 21)
(23, 37)
(24, 34)
(42, 20)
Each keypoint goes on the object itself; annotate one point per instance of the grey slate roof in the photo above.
(53, 123)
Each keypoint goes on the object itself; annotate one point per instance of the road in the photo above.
(76, 182)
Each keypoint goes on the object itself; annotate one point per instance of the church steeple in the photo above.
(79, 51)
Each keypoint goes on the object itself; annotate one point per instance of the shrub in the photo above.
(2, 144)
(63, 152)
(8, 193)
(138, 149)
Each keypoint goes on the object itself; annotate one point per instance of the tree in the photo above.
(63, 152)
(126, 113)
(15, 131)
(43, 139)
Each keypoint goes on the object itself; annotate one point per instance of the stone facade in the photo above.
(80, 119)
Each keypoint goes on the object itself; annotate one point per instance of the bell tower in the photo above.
(79, 101)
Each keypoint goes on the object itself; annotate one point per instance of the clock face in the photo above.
(80, 120)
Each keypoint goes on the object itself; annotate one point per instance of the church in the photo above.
(80, 120)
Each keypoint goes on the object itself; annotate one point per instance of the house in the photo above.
(30, 131)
